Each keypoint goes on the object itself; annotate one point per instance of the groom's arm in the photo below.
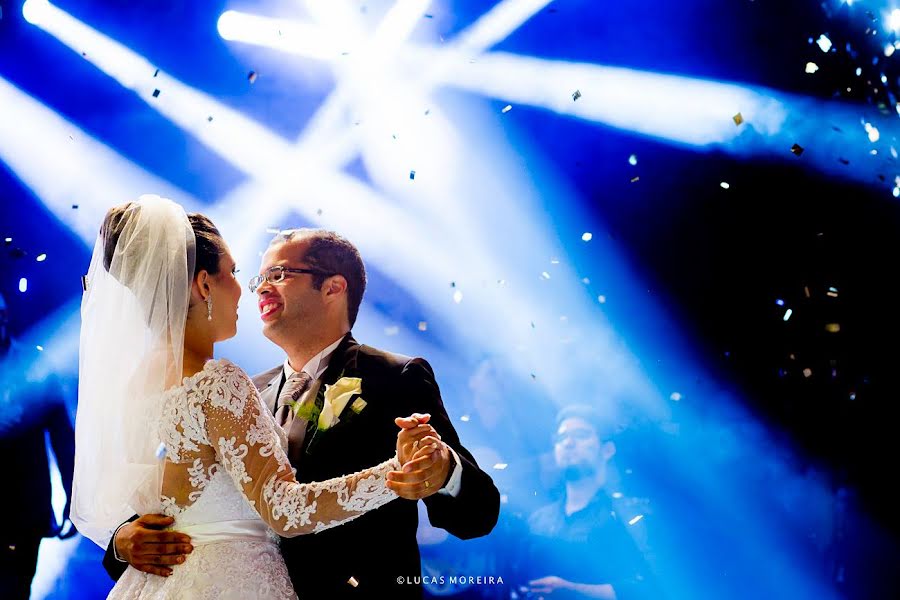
(472, 509)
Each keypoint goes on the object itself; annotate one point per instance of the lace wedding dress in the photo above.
(229, 485)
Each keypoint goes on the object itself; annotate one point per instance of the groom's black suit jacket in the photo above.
(378, 549)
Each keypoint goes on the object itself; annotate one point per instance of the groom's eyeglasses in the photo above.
(277, 275)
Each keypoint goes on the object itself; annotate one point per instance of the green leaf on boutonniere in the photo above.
(308, 411)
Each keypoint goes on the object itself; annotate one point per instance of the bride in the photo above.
(161, 427)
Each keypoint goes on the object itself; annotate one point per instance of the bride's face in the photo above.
(226, 292)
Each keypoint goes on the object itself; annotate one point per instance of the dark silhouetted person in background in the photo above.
(30, 407)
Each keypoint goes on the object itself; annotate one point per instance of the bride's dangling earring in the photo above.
(209, 308)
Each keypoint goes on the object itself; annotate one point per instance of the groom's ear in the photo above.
(335, 285)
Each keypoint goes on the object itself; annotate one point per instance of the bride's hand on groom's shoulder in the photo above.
(147, 546)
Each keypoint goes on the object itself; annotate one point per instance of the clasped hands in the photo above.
(425, 458)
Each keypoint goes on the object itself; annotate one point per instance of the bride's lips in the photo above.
(268, 308)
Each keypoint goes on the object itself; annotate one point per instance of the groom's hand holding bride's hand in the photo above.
(147, 546)
(425, 458)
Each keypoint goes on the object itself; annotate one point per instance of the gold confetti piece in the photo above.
(833, 327)
(635, 179)
(807, 372)
(353, 582)
(738, 119)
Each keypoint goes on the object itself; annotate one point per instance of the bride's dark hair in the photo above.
(209, 242)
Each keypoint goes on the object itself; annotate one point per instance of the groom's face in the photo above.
(291, 306)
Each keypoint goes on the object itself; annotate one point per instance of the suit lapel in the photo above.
(268, 393)
(341, 364)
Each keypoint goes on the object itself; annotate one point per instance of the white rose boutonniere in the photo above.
(336, 398)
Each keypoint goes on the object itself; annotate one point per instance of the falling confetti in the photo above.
(724, 185)
(252, 76)
(506, 109)
(632, 160)
(738, 119)
(635, 519)
(545, 275)
(423, 326)
(832, 292)
(587, 236)
(8, 240)
(675, 397)
(412, 174)
(797, 149)
(779, 302)
(40, 348)
(601, 299)
(811, 67)
(807, 372)
(41, 257)
(586, 281)
(824, 43)
(156, 93)
(635, 179)
(161, 451)
(833, 327)
(23, 285)
(576, 95)
(392, 330)
(872, 131)
(457, 296)
(156, 72)
(465, 418)
(501, 466)
(787, 314)
(74, 207)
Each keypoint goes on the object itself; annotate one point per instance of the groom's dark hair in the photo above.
(333, 254)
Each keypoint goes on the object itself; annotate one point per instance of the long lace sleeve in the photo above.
(246, 443)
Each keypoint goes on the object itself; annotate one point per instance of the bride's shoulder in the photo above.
(222, 368)
(216, 371)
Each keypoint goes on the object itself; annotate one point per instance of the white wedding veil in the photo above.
(132, 341)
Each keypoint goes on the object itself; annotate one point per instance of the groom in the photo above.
(309, 289)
